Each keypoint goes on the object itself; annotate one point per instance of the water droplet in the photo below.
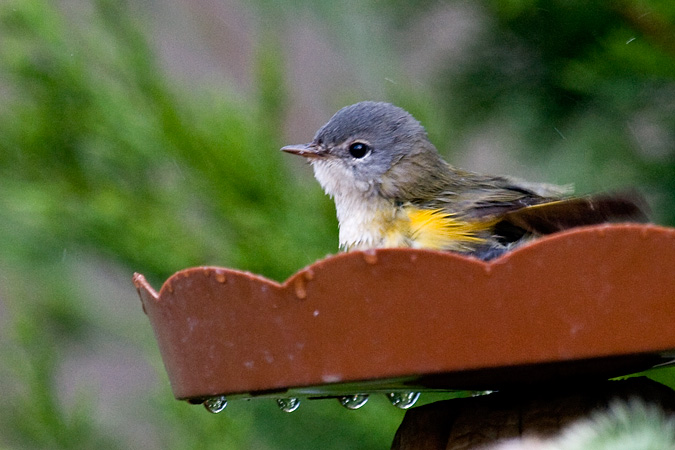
(331, 378)
(480, 393)
(220, 276)
(300, 283)
(645, 231)
(300, 286)
(288, 404)
(403, 400)
(370, 256)
(353, 401)
(215, 404)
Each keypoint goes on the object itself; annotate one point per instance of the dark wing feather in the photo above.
(560, 215)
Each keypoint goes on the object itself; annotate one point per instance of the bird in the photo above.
(392, 188)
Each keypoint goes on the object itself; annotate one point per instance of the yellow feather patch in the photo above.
(439, 230)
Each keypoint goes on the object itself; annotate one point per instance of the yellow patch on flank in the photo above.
(439, 230)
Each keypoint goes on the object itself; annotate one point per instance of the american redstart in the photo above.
(392, 189)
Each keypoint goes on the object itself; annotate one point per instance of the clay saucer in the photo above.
(591, 302)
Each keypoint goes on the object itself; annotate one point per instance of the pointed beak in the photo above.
(306, 150)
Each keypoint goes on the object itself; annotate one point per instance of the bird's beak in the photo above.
(306, 150)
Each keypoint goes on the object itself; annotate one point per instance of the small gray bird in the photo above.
(392, 189)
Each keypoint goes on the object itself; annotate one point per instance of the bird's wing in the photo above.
(486, 197)
(516, 208)
(549, 217)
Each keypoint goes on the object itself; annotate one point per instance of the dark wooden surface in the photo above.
(468, 423)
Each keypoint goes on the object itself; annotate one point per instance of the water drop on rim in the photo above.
(215, 404)
(370, 256)
(403, 400)
(300, 286)
(288, 404)
(644, 231)
(353, 401)
(221, 277)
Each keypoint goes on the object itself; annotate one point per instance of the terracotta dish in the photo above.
(592, 302)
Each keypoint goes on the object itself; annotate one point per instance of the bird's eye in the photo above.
(359, 149)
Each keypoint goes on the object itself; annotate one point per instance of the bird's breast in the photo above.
(378, 223)
(371, 223)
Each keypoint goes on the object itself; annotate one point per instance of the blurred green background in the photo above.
(144, 135)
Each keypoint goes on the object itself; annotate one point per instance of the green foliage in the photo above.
(112, 148)
(100, 155)
(577, 80)
(109, 166)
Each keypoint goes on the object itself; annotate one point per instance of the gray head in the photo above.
(370, 148)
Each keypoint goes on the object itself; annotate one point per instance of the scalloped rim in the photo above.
(180, 359)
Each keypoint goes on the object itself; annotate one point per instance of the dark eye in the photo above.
(359, 149)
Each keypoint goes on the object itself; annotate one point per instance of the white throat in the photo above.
(361, 213)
